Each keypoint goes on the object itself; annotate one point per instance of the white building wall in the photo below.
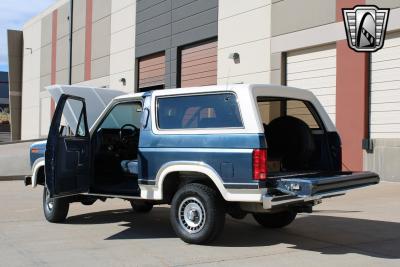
(244, 27)
(122, 49)
(31, 81)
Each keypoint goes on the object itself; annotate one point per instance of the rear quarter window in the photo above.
(273, 108)
(199, 112)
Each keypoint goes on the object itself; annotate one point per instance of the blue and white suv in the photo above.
(270, 151)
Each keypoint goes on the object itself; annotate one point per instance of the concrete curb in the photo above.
(12, 178)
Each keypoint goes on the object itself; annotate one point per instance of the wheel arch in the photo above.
(38, 175)
(174, 180)
(195, 171)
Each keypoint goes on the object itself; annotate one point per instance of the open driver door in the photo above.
(67, 156)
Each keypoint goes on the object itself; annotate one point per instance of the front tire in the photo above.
(275, 220)
(55, 209)
(197, 214)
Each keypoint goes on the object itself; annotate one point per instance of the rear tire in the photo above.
(197, 214)
(141, 206)
(275, 220)
(55, 209)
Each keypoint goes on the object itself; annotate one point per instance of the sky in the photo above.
(13, 15)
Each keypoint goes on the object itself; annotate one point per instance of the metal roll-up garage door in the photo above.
(385, 90)
(152, 72)
(314, 69)
(199, 64)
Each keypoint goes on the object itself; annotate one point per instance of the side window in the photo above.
(72, 121)
(199, 112)
(121, 114)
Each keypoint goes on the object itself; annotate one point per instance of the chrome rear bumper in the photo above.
(270, 202)
(313, 188)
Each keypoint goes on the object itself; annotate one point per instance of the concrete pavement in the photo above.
(14, 160)
(359, 229)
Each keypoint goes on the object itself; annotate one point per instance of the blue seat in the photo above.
(130, 166)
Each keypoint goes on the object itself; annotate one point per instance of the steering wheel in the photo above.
(124, 134)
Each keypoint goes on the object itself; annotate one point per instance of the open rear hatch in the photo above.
(285, 189)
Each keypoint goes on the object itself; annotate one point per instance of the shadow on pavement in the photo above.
(320, 233)
(138, 226)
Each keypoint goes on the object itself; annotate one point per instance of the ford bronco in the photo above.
(269, 151)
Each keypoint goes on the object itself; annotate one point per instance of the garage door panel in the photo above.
(314, 83)
(324, 91)
(393, 40)
(385, 75)
(199, 64)
(392, 85)
(388, 96)
(209, 59)
(152, 79)
(387, 64)
(314, 69)
(378, 134)
(384, 128)
(385, 117)
(211, 66)
(200, 55)
(151, 82)
(313, 74)
(152, 73)
(153, 60)
(203, 81)
(385, 90)
(311, 65)
(330, 110)
(386, 54)
(152, 70)
(199, 75)
(385, 107)
(311, 54)
(327, 100)
(198, 48)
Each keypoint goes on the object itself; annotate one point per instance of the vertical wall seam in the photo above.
(53, 56)
(88, 40)
(54, 46)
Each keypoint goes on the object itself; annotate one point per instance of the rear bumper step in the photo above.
(308, 189)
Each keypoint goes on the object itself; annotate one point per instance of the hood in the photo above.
(96, 100)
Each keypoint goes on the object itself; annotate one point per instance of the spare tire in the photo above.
(290, 139)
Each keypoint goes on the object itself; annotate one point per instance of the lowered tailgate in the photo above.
(294, 188)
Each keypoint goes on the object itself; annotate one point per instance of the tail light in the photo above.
(260, 169)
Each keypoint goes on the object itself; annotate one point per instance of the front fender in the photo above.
(39, 163)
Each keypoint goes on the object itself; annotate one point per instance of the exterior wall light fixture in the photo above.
(235, 56)
(123, 81)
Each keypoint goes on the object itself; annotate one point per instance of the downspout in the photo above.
(71, 29)
(367, 143)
